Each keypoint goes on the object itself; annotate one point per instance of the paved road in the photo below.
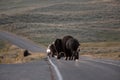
(89, 69)
(21, 42)
(28, 71)
(84, 69)
(39, 70)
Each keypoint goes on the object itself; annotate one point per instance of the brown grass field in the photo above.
(109, 50)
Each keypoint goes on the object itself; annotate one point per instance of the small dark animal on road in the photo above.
(26, 53)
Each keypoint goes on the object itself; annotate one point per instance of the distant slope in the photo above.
(44, 20)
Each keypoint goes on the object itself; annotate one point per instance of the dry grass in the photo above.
(12, 54)
(108, 50)
(113, 56)
(101, 44)
(34, 57)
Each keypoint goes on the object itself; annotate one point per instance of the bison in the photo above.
(72, 46)
(55, 48)
(59, 48)
(67, 47)
(64, 40)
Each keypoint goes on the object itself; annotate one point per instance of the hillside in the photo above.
(44, 20)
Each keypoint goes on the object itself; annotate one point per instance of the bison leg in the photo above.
(66, 58)
(48, 54)
(61, 54)
(73, 55)
(69, 58)
(76, 56)
(52, 55)
(58, 56)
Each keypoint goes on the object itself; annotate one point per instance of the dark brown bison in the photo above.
(72, 46)
(59, 48)
(67, 47)
(55, 48)
(64, 40)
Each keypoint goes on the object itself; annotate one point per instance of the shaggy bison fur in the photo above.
(72, 46)
(59, 48)
(67, 47)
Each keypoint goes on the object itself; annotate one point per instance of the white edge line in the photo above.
(56, 69)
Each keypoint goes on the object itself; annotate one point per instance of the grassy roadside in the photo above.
(11, 54)
(108, 50)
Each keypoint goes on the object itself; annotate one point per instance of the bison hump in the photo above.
(72, 44)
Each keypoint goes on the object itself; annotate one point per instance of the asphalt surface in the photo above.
(26, 71)
(89, 69)
(85, 69)
(21, 42)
